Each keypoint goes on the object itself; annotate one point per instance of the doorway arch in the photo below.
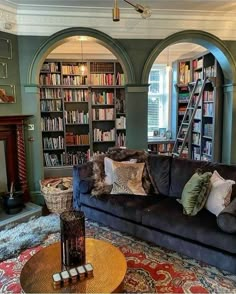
(228, 65)
(207, 40)
(59, 38)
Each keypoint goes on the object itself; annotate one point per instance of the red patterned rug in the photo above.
(151, 269)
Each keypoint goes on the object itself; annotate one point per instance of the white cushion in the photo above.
(220, 193)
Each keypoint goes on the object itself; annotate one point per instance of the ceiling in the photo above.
(45, 17)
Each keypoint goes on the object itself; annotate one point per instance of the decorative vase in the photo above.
(72, 238)
(13, 201)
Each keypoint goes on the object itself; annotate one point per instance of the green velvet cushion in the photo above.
(195, 193)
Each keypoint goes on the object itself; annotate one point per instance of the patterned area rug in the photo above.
(151, 269)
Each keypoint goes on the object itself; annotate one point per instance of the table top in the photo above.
(108, 262)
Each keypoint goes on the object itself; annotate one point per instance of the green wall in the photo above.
(136, 56)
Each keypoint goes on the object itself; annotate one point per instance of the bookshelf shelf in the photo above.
(206, 126)
(86, 107)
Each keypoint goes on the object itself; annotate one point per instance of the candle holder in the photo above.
(72, 238)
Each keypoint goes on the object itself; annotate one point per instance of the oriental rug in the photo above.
(151, 269)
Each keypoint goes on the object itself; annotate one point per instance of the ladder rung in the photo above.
(175, 154)
(185, 123)
(190, 107)
(180, 139)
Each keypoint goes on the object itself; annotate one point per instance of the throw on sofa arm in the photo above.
(226, 219)
(82, 182)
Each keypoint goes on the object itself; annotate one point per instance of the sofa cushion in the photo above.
(220, 194)
(159, 170)
(226, 219)
(181, 171)
(124, 206)
(167, 216)
(195, 193)
(127, 178)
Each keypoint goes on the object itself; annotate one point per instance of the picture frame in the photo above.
(3, 70)
(162, 132)
(5, 48)
(7, 94)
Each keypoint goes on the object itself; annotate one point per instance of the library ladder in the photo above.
(186, 124)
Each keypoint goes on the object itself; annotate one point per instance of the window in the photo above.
(158, 102)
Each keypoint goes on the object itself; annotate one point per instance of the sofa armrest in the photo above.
(226, 220)
(82, 181)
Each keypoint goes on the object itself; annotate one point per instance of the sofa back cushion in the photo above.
(181, 171)
(159, 171)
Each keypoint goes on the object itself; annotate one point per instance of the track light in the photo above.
(143, 10)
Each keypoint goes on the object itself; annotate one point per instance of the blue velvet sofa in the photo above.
(159, 217)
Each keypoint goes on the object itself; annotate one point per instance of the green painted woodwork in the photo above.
(136, 57)
(136, 130)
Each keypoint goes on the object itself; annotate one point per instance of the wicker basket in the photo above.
(57, 200)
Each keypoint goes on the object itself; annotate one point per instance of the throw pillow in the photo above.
(195, 193)
(117, 154)
(109, 170)
(127, 178)
(220, 194)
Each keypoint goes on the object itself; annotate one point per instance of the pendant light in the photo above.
(83, 67)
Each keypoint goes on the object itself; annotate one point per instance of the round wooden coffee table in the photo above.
(108, 262)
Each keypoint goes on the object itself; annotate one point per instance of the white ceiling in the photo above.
(45, 17)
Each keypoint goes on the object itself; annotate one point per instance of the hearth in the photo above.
(29, 211)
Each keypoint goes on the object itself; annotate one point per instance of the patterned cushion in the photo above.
(127, 178)
(195, 193)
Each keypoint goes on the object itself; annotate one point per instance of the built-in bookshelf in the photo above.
(82, 110)
(203, 142)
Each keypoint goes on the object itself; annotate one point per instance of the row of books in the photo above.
(76, 117)
(106, 79)
(75, 139)
(71, 69)
(197, 75)
(51, 124)
(74, 80)
(196, 138)
(102, 136)
(210, 71)
(207, 149)
(208, 109)
(184, 73)
(121, 122)
(183, 96)
(66, 158)
(51, 105)
(103, 113)
(103, 98)
(50, 93)
(53, 142)
(74, 95)
(208, 95)
(120, 140)
(197, 63)
(208, 130)
(197, 127)
(50, 79)
(51, 66)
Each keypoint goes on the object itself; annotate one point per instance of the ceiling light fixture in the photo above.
(145, 11)
(82, 66)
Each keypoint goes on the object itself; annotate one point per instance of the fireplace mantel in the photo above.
(12, 133)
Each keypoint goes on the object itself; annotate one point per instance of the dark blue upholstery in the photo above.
(159, 218)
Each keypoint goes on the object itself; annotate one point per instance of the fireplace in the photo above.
(12, 154)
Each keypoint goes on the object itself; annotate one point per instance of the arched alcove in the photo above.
(60, 37)
(228, 66)
(209, 41)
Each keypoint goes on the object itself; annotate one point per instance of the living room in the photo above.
(28, 40)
